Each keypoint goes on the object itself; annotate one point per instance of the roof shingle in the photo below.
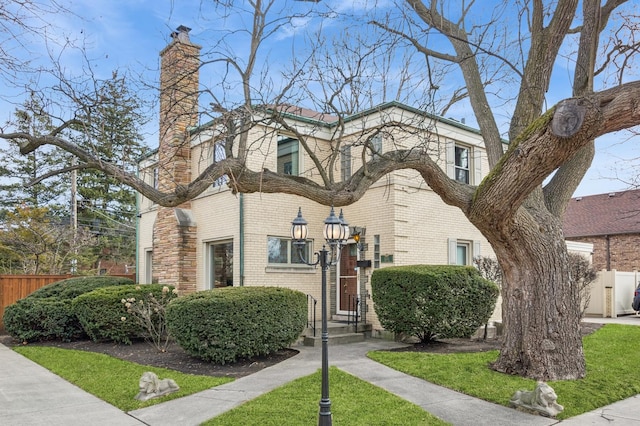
(603, 214)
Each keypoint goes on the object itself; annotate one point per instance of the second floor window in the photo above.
(376, 145)
(288, 156)
(462, 169)
(464, 163)
(218, 154)
(345, 162)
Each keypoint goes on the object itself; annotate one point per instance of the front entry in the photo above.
(348, 282)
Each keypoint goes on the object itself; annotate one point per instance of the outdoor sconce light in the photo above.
(336, 234)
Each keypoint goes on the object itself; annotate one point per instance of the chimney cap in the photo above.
(181, 34)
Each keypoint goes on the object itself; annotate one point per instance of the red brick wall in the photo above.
(619, 252)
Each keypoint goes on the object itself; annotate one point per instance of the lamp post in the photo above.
(336, 233)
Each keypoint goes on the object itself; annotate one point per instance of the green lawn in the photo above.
(110, 379)
(295, 403)
(613, 374)
(354, 403)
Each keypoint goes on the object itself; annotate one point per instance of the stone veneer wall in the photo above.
(174, 233)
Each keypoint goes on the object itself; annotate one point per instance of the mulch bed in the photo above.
(174, 358)
(177, 359)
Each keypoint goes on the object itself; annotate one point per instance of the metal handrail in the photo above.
(311, 313)
(358, 310)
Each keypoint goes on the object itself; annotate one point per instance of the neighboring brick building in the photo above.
(611, 222)
(220, 238)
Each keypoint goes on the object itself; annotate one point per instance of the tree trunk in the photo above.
(541, 303)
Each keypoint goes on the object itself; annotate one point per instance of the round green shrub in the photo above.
(227, 324)
(428, 302)
(46, 314)
(101, 311)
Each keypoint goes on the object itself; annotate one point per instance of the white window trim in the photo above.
(210, 285)
(474, 250)
(475, 159)
(281, 138)
(148, 265)
(218, 148)
(376, 145)
(289, 265)
(345, 162)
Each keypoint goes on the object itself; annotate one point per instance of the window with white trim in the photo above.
(220, 264)
(282, 252)
(376, 145)
(288, 156)
(376, 251)
(345, 162)
(462, 252)
(218, 153)
(148, 266)
(464, 163)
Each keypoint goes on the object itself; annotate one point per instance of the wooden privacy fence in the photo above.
(16, 287)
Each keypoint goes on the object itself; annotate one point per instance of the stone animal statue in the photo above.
(152, 387)
(541, 400)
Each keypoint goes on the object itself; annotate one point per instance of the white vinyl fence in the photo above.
(612, 294)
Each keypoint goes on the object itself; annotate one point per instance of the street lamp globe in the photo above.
(333, 229)
(345, 228)
(299, 228)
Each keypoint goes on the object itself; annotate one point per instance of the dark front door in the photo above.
(348, 291)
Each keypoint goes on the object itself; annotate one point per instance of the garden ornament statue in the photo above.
(542, 400)
(152, 387)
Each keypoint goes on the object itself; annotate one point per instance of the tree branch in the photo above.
(552, 140)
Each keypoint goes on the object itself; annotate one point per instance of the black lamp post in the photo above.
(336, 233)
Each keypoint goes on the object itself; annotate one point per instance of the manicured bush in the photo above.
(72, 287)
(227, 324)
(46, 313)
(104, 316)
(431, 302)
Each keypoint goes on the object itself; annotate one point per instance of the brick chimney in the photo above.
(174, 232)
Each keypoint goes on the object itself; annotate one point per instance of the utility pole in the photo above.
(74, 219)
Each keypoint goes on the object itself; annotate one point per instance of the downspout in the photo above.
(137, 232)
(241, 243)
(608, 252)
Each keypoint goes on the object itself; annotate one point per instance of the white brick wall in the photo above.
(413, 223)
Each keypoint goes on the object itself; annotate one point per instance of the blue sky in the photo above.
(131, 33)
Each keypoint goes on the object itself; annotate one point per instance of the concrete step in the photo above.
(340, 333)
(335, 327)
(334, 339)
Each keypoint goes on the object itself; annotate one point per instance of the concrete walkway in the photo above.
(31, 395)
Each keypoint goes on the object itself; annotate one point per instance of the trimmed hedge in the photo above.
(100, 312)
(227, 324)
(429, 302)
(73, 287)
(46, 313)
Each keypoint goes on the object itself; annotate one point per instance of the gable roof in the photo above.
(603, 214)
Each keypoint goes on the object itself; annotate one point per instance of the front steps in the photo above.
(340, 333)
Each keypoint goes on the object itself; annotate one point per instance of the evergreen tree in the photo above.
(107, 207)
(19, 171)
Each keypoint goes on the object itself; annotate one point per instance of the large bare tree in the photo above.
(514, 49)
